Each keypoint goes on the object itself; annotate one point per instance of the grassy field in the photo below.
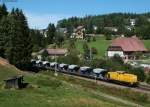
(147, 44)
(100, 44)
(45, 90)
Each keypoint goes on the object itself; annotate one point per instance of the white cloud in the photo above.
(41, 21)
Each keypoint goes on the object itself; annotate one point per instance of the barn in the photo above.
(126, 47)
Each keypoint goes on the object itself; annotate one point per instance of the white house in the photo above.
(126, 47)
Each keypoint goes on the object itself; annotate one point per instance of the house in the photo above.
(127, 48)
(113, 29)
(62, 30)
(43, 32)
(132, 22)
(53, 52)
(79, 33)
(57, 52)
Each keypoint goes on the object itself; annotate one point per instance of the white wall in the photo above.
(112, 53)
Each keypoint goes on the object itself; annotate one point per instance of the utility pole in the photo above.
(55, 74)
(90, 54)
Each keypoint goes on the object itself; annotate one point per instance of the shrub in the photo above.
(88, 39)
(94, 51)
(139, 72)
(94, 39)
(108, 37)
(148, 78)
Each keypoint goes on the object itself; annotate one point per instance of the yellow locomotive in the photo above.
(122, 77)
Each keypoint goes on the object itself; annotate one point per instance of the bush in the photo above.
(88, 39)
(139, 72)
(148, 78)
(94, 51)
(108, 37)
(94, 39)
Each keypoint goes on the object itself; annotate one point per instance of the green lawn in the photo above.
(147, 44)
(100, 44)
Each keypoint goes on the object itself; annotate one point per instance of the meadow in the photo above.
(47, 91)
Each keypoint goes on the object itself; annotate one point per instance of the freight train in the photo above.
(85, 71)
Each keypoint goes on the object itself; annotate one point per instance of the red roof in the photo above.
(129, 44)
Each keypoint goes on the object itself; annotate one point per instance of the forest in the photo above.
(119, 20)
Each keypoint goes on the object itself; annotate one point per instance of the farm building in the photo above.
(14, 82)
(56, 52)
(51, 53)
(127, 48)
(113, 29)
(79, 32)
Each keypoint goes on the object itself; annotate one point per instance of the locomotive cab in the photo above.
(122, 77)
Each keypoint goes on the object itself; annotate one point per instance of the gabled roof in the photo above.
(57, 51)
(129, 44)
(79, 28)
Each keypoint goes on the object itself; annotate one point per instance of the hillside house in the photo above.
(57, 52)
(132, 22)
(43, 32)
(113, 29)
(62, 30)
(79, 33)
(53, 52)
(127, 48)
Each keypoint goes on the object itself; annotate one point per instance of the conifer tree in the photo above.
(51, 33)
(20, 47)
(4, 35)
(4, 25)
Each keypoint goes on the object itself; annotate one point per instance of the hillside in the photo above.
(47, 91)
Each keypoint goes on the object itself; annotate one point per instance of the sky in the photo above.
(40, 13)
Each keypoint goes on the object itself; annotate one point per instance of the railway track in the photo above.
(139, 88)
(144, 87)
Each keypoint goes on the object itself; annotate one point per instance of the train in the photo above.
(120, 77)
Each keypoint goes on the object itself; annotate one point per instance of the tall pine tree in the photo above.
(4, 25)
(20, 47)
(4, 35)
(51, 33)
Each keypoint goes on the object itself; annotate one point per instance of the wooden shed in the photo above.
(14, 82)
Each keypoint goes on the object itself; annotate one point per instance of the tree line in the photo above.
(118, 20)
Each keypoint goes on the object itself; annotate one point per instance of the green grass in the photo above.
(6, 72)
(126, 94)
(100, 44)
(48, 91)
(147, 44)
